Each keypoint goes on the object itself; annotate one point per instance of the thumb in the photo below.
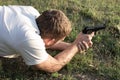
(92, 34)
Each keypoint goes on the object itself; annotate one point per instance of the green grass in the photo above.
(101, 62)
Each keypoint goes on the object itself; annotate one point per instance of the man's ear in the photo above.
(49, 41)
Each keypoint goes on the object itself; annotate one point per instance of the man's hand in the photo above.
(84, 41)
(82, 46)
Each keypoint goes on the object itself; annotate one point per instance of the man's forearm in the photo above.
(60, 46)
(65, 56)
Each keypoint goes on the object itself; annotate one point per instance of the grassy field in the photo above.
(101, 62)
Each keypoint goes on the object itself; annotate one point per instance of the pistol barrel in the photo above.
(88, 30)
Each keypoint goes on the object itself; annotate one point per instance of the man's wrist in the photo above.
(75, 46)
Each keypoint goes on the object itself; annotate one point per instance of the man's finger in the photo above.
(92, 34)
(81, 47)
(85, 45)
(90, 44)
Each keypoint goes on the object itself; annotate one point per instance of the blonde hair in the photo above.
(53, 24)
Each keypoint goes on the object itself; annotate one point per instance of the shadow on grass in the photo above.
(15, 69)
(12, 69)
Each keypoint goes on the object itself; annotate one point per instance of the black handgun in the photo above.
(89, 30)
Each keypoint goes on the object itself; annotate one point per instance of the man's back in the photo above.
(12, 29)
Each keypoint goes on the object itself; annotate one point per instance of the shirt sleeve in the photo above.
(33, 51)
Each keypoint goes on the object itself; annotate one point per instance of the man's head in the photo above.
(53, 24)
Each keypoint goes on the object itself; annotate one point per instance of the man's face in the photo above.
(49, 42)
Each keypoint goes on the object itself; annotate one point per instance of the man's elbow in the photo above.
(48, 69)
(53, 70)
